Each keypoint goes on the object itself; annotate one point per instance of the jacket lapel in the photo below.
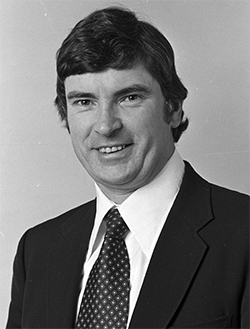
(66, 266)
(176, 258)
(177, 255)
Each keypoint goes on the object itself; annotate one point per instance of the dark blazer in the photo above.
(197, 277)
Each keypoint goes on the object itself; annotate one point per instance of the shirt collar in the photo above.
(145, 211)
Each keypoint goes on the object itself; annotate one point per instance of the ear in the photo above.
(175, 114)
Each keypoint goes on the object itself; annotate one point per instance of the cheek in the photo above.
(79, 129)
(78, 139)
(155, 127)
(71, 123)
(149, 130)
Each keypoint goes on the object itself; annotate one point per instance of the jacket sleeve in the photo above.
(18, 286)
(245, 323)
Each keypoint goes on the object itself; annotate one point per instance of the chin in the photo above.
(114, 181)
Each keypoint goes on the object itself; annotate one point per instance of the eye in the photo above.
(82, 102)
(131, 98)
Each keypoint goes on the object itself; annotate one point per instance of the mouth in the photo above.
(113, 149)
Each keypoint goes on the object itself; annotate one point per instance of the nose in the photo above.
(108, 120)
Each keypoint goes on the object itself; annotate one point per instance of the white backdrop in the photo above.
(40, 176)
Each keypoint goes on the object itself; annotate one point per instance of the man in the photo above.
(159, 247)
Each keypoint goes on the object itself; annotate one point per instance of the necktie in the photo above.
(105, 302)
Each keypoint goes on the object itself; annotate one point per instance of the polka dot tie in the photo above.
(105, 302)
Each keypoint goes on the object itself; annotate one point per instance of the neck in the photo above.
(116, 196)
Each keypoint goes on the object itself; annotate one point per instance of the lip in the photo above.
(115, 149)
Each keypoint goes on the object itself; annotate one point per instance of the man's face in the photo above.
(117, 127)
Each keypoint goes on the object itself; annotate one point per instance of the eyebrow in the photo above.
(132, 89)
(125, 91)
(79, 94)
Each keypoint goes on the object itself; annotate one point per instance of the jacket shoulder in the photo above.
(229, 193)
(199, 199)
(231, 212)
(195, 185)
(62, 219)
(49, 231)
(230, 201)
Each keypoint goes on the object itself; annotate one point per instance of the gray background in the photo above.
(40, 175)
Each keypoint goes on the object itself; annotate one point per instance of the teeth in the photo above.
(111, 149)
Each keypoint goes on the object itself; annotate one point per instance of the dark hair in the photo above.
(115, 38)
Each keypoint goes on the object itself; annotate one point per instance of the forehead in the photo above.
(111, 80)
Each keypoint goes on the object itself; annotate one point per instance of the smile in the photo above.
(111, 149)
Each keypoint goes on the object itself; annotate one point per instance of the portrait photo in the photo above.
(107, 109)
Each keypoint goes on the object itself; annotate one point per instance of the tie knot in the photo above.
(116, 227)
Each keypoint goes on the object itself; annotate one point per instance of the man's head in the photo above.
(115, 38)
(121, 99)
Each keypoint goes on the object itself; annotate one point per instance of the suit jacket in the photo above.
(197, 277)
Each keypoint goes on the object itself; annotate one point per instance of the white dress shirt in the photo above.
(145, 212)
